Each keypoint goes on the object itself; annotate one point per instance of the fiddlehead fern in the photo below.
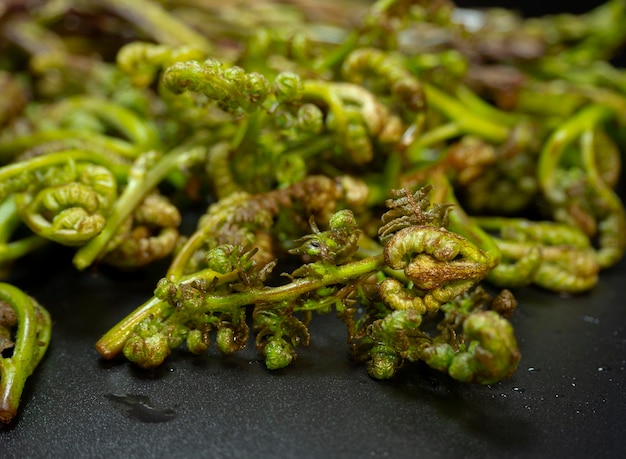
(233, 89)
(377, 70)
(149, 234)
(439, 263)
(143, 177)
(552, 255)
(25, 328)
(69, 206)
(283, 119)
(578, 195)
(474, 342)
(278, 332)
(336, 244)
(142, 61)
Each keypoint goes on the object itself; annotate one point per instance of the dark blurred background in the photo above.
(535, 7)
(543, 7)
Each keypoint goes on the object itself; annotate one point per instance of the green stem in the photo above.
(613, 221)
(9, 219)
(177, 267)
(112, 342)
(18, 249)
(434, 136)
(482, 108)
(9, 222)
(312, 147)
(296, 288)
(118, 168)
(97, 141)
(337, 56)
(468, 120)
(141, 133)
(554, 147)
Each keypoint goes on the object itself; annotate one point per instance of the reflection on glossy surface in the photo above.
(140, 407)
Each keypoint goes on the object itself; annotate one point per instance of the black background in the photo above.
(566, 400)
(535, 7)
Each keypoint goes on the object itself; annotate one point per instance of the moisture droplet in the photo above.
(140, 407)
(503, 395)
(591, 320)
(533, 369)
(519, 390)
(604, 368)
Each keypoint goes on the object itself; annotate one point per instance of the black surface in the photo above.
(566, 400)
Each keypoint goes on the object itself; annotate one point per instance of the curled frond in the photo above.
(575, 189)
(336, 244)
(406, 209)
(380, 72)
(492, 353)
(553, 255)
(71, 210)
(25, 329)
(278, 333)
(150, 234)
(232, 88)
(142, 60)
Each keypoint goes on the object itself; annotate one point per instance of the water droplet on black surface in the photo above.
(519, 390)
(591, 320)
(604, 368)
(533, 369)
(141, 408)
